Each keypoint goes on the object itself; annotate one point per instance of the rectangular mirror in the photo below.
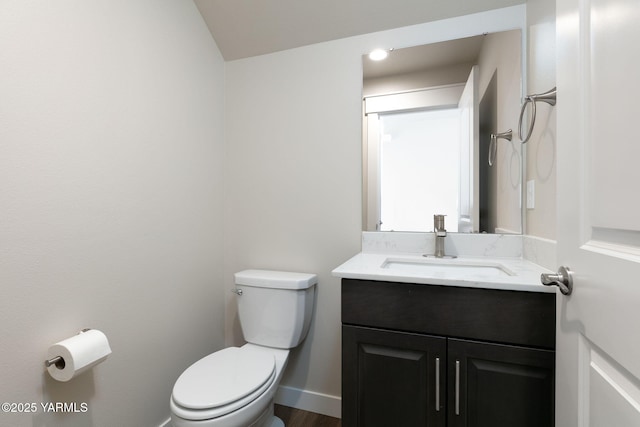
(428, 116)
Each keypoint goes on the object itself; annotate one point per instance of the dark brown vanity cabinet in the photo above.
(392, 378)
(423, 355)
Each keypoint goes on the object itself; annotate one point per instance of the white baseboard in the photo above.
(311, 401)
(166, 423)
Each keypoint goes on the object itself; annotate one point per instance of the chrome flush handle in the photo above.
(237, 291)
(562, 279)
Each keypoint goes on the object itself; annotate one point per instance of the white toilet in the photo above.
(235, 387)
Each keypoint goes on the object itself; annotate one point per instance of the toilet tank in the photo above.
(275, 307)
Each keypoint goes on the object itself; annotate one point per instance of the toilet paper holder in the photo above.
(59, 360)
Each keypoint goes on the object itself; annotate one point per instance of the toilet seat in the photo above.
(222, 383)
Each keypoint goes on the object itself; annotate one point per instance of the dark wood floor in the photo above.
(299, 418)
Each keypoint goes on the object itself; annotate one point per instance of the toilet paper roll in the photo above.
(80, 353)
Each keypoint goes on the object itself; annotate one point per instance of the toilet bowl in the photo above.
(246, 379)
(235, 387)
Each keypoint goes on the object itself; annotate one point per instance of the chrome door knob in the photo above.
(562, 279)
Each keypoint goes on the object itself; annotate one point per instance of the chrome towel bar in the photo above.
(549, 97)
(493, 145)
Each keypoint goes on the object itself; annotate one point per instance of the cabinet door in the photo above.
(392, 379)
(492, 385)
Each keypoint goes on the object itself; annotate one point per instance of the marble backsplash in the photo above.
(537, 250)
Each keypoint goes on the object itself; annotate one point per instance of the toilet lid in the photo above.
(223, 377)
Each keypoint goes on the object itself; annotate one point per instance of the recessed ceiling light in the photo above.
(378, 54)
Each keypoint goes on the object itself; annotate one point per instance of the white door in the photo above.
(598, 164)
(469, 193)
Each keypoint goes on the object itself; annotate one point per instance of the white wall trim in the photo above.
(311, 401)
(446, 96)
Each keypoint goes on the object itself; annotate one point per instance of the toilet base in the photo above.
(268, 419)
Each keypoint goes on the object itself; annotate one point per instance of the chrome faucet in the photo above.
(441, 233)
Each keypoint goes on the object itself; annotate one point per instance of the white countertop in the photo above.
(509, 273)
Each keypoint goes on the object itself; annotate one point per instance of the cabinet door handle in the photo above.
(457, 387)
(437, 384)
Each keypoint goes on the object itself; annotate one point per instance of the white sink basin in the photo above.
(444, 266)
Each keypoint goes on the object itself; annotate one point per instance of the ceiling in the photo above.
(425, 57)
(244, 28)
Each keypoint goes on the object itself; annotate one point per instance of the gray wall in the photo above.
(111, 167)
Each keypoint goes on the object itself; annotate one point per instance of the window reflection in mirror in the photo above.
(428, 115)
(418, 150)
